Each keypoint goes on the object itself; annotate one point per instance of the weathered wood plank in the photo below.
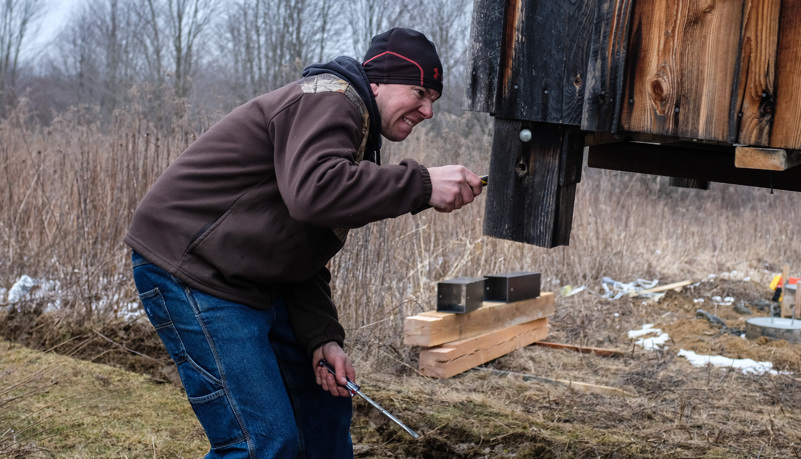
(433, 328)
(712, 163)
(603, 352)
(753, 103)
(769, 159)
(605, 69)
(581, 14)
(786, 132)
(543, 59)
(533, 183)
(459, 356)
(680, 68)
(486, 39)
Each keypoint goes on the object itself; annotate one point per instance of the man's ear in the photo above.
(374, 87)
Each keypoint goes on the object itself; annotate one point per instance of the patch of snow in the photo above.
(20, 289)
(646, 329)
(653, 343)
(747, 366)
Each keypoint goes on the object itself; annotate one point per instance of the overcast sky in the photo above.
(57, 13)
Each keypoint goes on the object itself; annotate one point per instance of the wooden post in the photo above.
(533, 182)
(786, 311)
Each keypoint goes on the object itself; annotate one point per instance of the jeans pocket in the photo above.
(159, 316)
(218, 419)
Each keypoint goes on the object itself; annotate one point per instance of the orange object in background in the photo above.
(777, 281)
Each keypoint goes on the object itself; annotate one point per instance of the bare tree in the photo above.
(17, 18)
(96, 53)
(187, 20)
(368, 18)
(447, 24)
(151, 41)
(270, 41)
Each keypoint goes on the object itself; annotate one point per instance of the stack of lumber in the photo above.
(458, 342)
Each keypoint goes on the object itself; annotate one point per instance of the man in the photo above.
(231, 243)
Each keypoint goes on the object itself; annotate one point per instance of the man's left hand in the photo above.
(338, 359)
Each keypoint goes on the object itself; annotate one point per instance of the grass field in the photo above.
(69, 189)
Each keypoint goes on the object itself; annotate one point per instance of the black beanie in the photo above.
(403, 56)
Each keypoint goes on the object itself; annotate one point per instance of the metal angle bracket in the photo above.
(460, 295)
(511, 287)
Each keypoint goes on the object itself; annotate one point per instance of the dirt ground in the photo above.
(516, 406)
(511, 408)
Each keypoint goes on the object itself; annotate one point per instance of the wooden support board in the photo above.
(434, 328)
(533, 183)
(713, 164)
(458, 356)
(769, 159)
(583, 349)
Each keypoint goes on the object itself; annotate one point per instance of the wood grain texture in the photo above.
(681, 65)
(433, 328)
(456, 357)
(603, 93)
(486, 39)
(786, 132)
(769, 159)
(533, 183)
(753, 103)
(544, 60)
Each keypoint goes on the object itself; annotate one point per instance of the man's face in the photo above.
(402, 107)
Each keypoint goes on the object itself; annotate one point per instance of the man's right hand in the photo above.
(452, 187)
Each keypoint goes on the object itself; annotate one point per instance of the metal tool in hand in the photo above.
(484, 180)
(353, 388)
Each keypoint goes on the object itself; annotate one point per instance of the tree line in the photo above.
(215, 54)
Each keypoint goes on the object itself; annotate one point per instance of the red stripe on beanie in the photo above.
(422, 73)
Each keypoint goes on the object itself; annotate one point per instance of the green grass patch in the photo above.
(54, 405)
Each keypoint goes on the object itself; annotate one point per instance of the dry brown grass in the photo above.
(69, 189)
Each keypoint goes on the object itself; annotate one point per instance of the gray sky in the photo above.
(57, 12)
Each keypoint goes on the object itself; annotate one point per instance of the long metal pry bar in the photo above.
(354, 389)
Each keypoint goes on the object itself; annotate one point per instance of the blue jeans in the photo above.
(251, 386)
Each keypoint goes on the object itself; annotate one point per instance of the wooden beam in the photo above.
(533, 182)
(576, 385)
(787, 307)
(583, 349)
(459, 356)
(433, 328)
(700, 162)
(767, 159)
(674, 286)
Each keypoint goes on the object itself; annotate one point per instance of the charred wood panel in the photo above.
(544, 60)
(786, 132)
(486, 39)
(688, 161)
(681, 66)
(533, 183)
(605, 69)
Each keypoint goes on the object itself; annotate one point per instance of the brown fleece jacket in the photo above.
(259, 203)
